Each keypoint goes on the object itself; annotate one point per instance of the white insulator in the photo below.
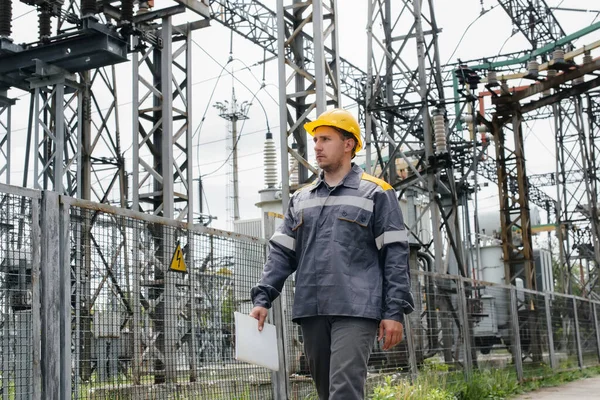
(492, 78)
(587, 58)
(533, 68)
(558, 56)
(481, 129)
(468, 118)
(270, 162)
(439, 130)
(293, 171)
(293, 167)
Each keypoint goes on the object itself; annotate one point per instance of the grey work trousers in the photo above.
(337, 350)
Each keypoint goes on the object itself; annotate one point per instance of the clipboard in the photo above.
(254, 346)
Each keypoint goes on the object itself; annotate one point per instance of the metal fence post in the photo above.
(65, 302)
(410, 343)
(549, 329)
(516, 342)
(279, 378)
(35, 300)
(464, 319)
(50, 296)
(596, 329)
(136, 300)
(577, 335)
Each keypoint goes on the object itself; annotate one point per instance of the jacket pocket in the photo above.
(351, 227)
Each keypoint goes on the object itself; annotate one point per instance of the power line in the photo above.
(245, 134)
(481, 14)
(242, 156)
(242, 170)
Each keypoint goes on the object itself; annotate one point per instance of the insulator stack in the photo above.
(88, 7)
(293, 167)
(558, 56)
(439, 130)
(5, 18)
(492, 78)
(533, 68)
(587, 58)
(45, 22)
(127, 10)
(270, 161)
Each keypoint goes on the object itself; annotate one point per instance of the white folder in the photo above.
(254, 346)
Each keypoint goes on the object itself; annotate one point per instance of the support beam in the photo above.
(514, 201)
(536, 22)
(309, 78)
(162, 159)
(162, 185)
(5, 137)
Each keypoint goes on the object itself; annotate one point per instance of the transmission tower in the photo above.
(233, 112)
(573, 147)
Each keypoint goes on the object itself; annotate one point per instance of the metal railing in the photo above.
(98, 302)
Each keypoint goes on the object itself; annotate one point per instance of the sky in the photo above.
(466, 33)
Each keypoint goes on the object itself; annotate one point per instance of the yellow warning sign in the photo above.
(177, 262)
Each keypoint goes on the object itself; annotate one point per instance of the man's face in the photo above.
(331, 148)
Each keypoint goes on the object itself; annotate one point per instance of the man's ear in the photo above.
(349, 144)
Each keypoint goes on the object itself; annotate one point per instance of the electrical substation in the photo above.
(116, 280)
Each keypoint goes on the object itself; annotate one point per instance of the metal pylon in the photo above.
(308, 75)
(162, 126)
(577, 214)
(162, 181)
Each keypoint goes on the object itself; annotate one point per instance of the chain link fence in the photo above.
(98, 302)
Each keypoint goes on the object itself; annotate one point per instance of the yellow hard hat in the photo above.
(338, 118)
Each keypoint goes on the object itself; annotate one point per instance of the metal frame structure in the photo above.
(162, 125)
(535, 21)
(576, 149)
(5, 137)
(308, 74)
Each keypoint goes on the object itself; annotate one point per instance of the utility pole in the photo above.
(233, 113)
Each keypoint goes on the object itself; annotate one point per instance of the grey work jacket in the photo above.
(348, 247)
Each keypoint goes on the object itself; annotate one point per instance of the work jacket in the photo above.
(348, 247)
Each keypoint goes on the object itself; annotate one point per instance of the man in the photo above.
(344, 236)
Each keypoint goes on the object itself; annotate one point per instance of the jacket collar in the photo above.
(351, 180)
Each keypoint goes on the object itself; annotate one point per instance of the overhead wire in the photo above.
(244, 134)
(24, 14)
(224, 69)
(241, 156)
(481, 14)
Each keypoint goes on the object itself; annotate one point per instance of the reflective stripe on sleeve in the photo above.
(356, 201)
(286, 241)
(391, 237)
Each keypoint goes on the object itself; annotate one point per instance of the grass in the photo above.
(436, 382)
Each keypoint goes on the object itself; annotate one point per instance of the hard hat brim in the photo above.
(311, 126)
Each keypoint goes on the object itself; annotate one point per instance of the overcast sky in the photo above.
(487, 36)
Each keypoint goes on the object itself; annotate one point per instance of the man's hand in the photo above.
(260, 313)
(392, 330)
